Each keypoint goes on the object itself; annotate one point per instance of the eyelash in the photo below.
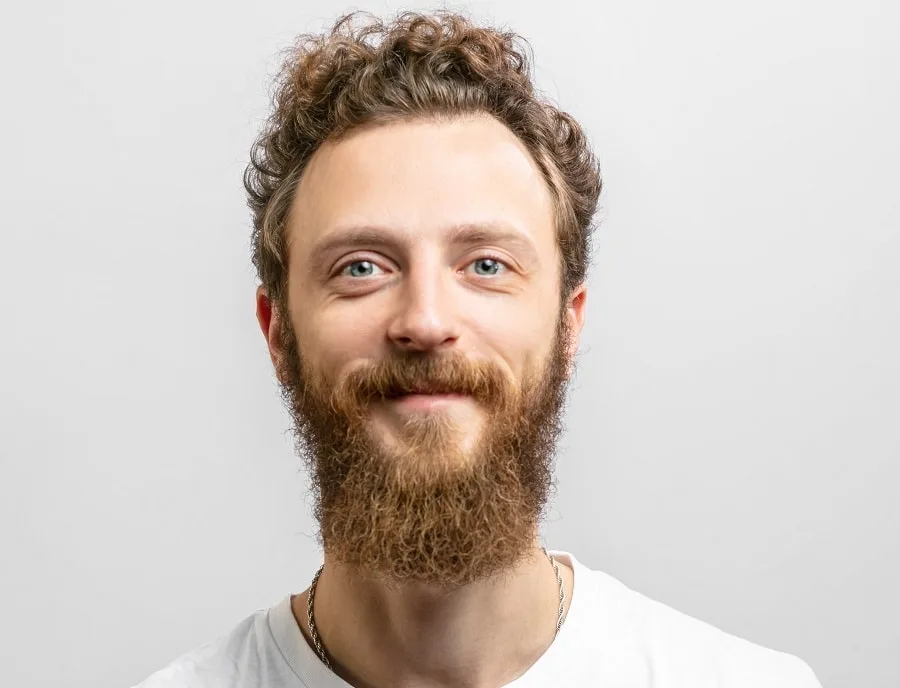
(495, 258)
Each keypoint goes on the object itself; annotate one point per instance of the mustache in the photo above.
(427, 374)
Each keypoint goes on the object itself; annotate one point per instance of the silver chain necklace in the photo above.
(320, 648)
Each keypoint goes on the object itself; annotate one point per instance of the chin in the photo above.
(440, 418)
(429, 439)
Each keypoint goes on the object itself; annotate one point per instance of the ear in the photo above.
(269, 318)
(575, 311)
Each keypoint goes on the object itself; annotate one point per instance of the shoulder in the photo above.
(682, 650)
(223, 662)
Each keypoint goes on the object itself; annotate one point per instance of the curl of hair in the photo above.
(438, 65)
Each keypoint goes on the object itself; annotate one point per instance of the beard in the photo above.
(422, 508)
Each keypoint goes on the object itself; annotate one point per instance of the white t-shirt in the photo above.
(613, 637)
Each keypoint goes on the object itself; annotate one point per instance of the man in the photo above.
(422, 224)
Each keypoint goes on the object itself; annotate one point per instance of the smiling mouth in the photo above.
(423, 400)
(423, 390)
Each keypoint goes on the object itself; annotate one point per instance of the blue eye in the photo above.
(360, 268)
(488, 266)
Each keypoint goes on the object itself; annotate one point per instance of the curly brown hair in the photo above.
(437, 65)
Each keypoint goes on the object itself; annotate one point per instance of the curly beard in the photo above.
(426, 510)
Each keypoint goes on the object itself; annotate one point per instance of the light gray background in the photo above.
(733, 445)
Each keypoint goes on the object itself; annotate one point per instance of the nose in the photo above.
(425, 319)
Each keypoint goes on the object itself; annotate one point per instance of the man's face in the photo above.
(423, 347)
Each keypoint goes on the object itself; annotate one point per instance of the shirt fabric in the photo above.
(612, 637)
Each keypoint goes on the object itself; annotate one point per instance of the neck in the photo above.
(484, 634)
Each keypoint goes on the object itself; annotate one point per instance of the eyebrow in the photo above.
(465, 234)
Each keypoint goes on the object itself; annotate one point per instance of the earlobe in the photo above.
(269, 319)
(575, 312)
(264, 310)
(576, 308)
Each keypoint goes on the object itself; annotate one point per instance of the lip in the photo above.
(425, 402)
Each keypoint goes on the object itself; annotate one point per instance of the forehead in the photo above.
(421, 178)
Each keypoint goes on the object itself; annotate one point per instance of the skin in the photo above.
(421, 280)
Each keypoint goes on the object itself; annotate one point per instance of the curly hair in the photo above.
(436, 65)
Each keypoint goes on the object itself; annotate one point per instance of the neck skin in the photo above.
(481, 636)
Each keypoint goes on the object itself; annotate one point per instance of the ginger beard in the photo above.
(423, 509)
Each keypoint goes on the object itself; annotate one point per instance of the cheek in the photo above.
(522, 336)
(337, 335)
